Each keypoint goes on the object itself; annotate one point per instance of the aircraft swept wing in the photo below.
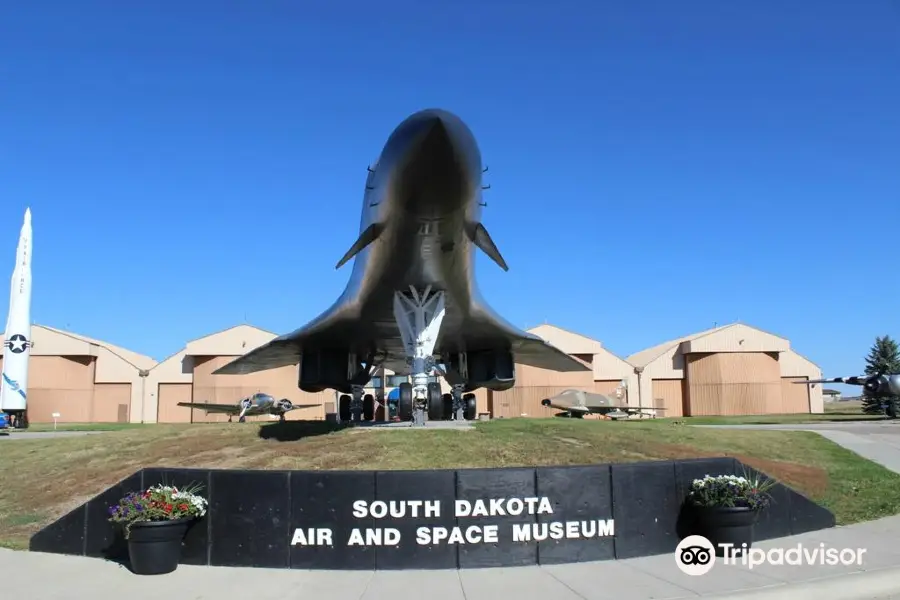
(879, 385)
(578, 403)
(412, 303)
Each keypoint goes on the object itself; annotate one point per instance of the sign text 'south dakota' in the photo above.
(472, 534)
(495, 507)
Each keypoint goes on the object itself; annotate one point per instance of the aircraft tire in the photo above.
(344, 408)
(470, 406)
(405, 402)
(368, 407)
(435, 402)
(447, 401)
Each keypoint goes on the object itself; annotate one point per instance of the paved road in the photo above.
(38, 435)
(51, 577)
(878, 441)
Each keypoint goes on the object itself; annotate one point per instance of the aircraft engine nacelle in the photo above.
(490, 369)
(285, 405)
(882, 385)
(246, 403)
(329, 369)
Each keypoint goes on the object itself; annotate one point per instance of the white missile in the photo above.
(17, 340)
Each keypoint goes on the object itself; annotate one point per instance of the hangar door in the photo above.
(111, 402)
(794, 397)
(168, 397)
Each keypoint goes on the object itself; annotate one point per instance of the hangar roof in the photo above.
(234, 341)
(137, 360)
(567, 341)
(645, 357)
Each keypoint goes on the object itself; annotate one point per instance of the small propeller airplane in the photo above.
(257, 404)
(578, 403)
(879, 385)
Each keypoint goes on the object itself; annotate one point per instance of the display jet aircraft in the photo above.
(577, 403)
(879, 385)
(257, 404)
(412, 304)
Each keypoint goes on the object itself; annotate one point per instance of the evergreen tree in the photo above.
(884, 357)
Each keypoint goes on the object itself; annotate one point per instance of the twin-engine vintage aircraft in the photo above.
(879, 385)
(257, 404)
(412, 304)
(578, 403)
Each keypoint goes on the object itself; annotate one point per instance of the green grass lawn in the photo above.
(86, 426)
(53, 476)
(834, 412)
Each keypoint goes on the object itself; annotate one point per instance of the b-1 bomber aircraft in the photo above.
(412, 304)
(257, 404)
(577, 403)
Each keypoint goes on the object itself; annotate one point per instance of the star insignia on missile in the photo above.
(17, 343)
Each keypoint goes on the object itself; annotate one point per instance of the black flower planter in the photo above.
(726, 525)
(154, 547)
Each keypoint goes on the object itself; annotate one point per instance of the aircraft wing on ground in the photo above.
(855, 380)
(232, 409)
(599, 409)
(236, 409)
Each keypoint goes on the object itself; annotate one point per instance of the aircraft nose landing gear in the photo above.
(419, 318)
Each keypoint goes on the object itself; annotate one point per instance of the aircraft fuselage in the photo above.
(425, 195)
(412, 304)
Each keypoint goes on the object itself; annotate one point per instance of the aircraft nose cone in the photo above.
(431, 139)
(433, 179)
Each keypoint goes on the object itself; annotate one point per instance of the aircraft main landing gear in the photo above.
(368, 407)
(357, 407)
(435, 402)
(405, 402)
(18, 419)
(419, 318)
(469, 407)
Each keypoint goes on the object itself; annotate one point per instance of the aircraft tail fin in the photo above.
(481, 238)
(365, 238)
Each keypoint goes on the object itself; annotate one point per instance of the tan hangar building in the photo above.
(82, 380)
(735, 369)
(730, 370)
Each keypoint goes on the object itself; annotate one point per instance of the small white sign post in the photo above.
(55, 417)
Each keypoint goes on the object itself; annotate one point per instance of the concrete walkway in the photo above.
(53, 577)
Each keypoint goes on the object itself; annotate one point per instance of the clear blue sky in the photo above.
(656, 167)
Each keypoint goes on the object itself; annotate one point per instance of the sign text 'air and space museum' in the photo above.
(465, 534)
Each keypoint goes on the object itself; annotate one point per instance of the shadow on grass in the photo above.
(292, 431)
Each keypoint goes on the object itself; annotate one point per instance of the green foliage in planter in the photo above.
(158, 503)
(745, 491)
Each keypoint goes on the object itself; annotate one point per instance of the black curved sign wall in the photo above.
(467, 518)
